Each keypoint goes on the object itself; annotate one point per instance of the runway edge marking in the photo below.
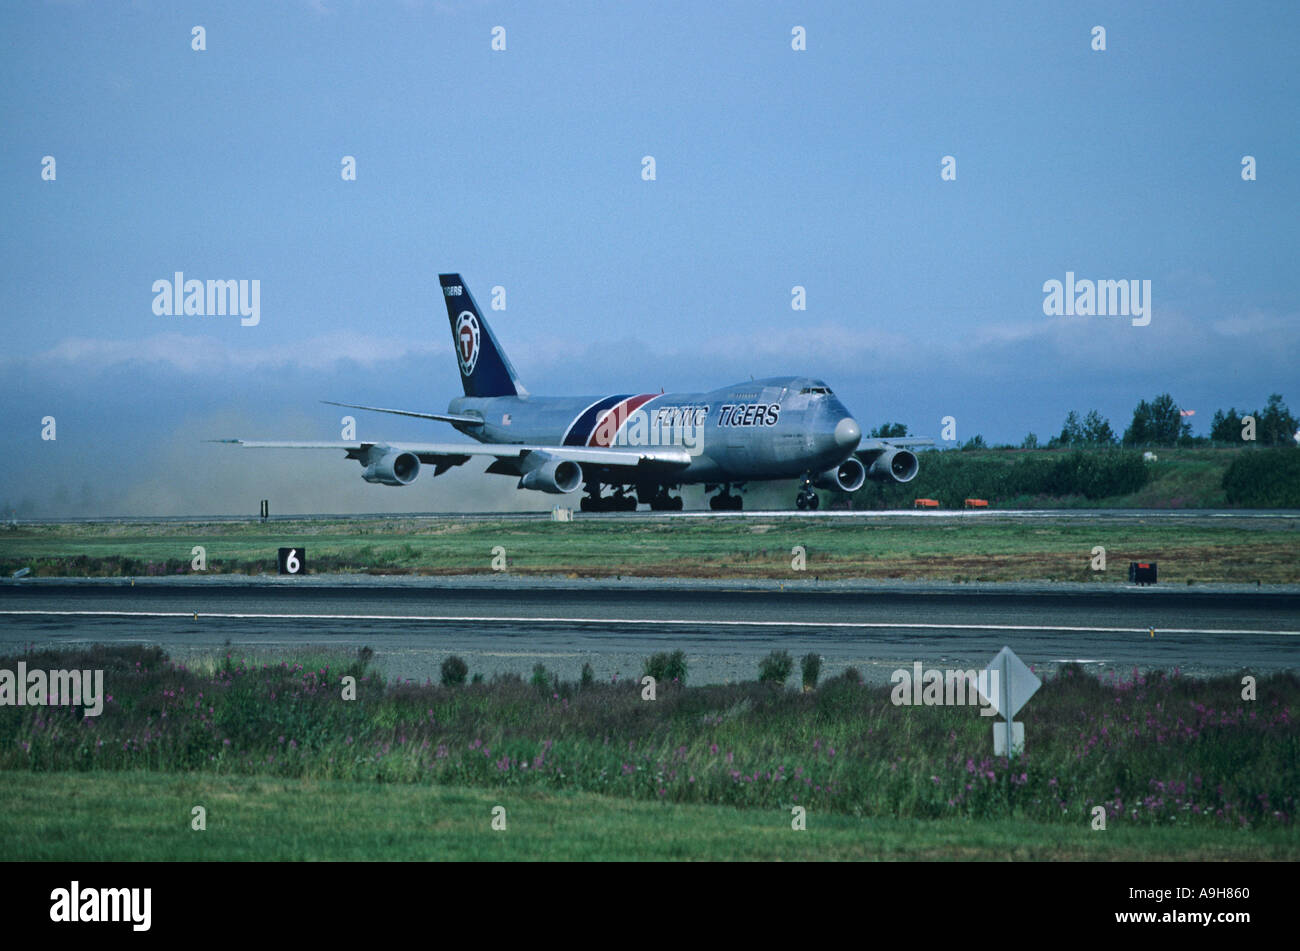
(675, 622)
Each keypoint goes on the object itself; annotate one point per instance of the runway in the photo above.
(1288, 515)
(507, 624)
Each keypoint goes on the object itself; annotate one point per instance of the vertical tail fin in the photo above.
(484, 368)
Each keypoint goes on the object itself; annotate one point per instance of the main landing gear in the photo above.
(618, 501)
(724, 501)
(807, 498)
(659, 500)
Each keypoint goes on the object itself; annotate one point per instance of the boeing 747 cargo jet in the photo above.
(650, 444)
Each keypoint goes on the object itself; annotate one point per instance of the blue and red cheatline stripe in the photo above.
(614, 418)
(600, 422)
(585, 424)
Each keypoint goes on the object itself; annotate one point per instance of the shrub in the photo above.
(540, 679)
(1267, 478)
(852, 674)
(952, 477)
(588, 677)
(1097, 475)
(454, 671)
(665, 668)
(775, 668)
(811, 666)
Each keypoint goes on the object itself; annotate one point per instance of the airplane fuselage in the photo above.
(775, 428)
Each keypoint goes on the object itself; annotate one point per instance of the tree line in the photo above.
(1159, 422)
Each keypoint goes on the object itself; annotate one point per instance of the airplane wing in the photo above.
(510, 458)
(880, 445)
(440, 417)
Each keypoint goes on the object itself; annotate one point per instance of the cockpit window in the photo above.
(823, 390)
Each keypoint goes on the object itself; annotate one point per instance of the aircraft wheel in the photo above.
(813, 500)
(675, 504)
(801, 501)
(586, 504)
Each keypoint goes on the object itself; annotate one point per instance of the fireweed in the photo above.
(1149, 749)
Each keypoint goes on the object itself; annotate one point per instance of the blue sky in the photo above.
(522, 168)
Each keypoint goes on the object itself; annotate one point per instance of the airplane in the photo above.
(650, 444)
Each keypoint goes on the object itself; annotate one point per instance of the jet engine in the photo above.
(848, 476)
(897, 464)
(556, 476)
(393, 468)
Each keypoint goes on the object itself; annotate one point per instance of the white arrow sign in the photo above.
(1011, 684)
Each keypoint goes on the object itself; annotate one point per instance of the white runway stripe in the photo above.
(674, 622)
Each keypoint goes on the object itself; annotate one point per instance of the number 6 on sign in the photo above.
(293, 561)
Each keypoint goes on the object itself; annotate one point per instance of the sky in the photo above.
(523, 168)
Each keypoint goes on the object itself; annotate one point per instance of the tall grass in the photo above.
(1148, 749)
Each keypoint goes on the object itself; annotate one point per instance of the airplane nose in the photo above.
(847, 433)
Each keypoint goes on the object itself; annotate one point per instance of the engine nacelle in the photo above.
(897, 464)
(393, 468)
(848, 476)
(556, 476)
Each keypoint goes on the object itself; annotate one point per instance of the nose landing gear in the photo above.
(807, 498)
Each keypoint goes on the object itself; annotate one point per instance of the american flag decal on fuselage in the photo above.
(600, 422)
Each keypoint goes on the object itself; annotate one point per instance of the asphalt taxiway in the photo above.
(503, 623)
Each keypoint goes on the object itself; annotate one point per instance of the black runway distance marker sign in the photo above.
(293, 561)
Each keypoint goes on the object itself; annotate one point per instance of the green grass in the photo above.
(134, 816)
(987, 548)
(288, 768)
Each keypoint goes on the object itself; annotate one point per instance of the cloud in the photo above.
(200, 354)
(1176, 344)
(1260, 326)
